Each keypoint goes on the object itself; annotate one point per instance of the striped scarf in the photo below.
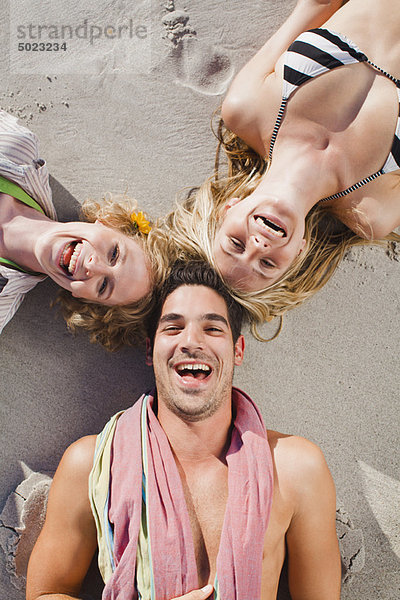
(147, 459)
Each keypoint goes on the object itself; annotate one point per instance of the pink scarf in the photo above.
(250, 484)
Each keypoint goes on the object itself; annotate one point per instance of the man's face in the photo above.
(194, 354)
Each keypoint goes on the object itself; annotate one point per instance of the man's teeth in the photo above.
(195, 368)
(271, 227)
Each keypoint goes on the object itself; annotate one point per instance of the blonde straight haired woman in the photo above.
(311, 133)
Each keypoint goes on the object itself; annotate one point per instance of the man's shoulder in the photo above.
(298, 461)
(293, 446)
(77, 460)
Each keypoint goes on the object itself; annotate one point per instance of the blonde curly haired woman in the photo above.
(108, 265)
(113, 322)
(313, 150)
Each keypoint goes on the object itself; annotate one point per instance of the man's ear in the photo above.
(149, 353)
(239, 350)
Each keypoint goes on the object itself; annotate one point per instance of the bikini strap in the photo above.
(356, 186)
(388, 75)
(14, 190)
(278, 123)
(12, 265)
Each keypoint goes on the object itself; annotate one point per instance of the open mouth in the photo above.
(271, 226)
(69, 257)
(191, 371)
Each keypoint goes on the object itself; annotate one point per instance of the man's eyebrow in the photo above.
(214, 317)
(204, 317)
(170, 317)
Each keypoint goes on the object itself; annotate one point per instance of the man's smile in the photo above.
(192, 373)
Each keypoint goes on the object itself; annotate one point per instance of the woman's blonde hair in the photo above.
(195, 221)
(116, 326)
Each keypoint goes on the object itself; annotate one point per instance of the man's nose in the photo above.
(191, 338)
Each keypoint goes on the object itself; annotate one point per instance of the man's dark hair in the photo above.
(195, 272)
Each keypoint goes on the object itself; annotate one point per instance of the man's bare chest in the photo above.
(274, 550)
(206, 494)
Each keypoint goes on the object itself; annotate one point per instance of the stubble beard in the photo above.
(184, 404)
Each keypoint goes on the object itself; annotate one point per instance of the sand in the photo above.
(133, 114)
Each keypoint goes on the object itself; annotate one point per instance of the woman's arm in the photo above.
(240, 107)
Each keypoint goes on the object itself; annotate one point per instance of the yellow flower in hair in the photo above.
(141, 222)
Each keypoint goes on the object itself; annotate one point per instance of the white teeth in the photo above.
(262, 222)
(74, 258)
(194, 367)
(62, 264)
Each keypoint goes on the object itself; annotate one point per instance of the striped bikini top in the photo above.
(318, 51)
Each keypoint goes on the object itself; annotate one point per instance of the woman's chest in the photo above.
(353, 106)
(372, 211)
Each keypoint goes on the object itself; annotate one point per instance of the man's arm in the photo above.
(65, 548)
(313, 552)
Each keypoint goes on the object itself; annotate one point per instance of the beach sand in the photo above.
(112, 119)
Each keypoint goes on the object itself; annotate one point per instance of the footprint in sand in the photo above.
(21, 520)
(351, 544)
(202, 67)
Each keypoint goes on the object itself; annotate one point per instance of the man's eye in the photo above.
(115, 254)
(103, 286)
(237, 244)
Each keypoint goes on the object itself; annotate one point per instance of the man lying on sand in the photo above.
(187, 489)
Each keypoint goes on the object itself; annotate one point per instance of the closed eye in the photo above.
(266, 263)
(237, 245)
